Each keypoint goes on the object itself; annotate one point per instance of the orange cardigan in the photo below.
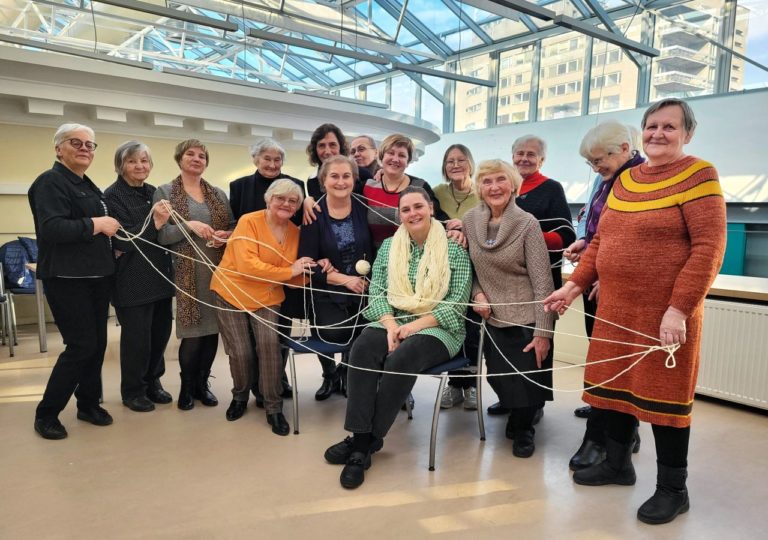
(258, 262)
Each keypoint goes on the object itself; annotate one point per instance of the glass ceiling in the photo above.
(425, 33)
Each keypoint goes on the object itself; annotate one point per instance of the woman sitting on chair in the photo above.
(340, 234)
(418, 294)
(248, 290)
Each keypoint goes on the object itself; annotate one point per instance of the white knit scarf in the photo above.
(432, 276)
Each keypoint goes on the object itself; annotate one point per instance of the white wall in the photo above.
(730, 134)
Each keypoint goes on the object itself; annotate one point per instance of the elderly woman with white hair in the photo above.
(610, 148)
(261, 255)
(511, 266)
(75, 263)
(545, 199)
(143, 288)
(246, 194)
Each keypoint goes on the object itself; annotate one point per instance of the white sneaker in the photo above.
(451, 396)
(470, 398)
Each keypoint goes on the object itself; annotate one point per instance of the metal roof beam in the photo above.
(604, 18)
(466, 19)
(416, 27)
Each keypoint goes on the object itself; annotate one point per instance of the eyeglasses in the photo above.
(456, 162)
(359, 149)
(281, 199)
(77, 144)
(595, 163)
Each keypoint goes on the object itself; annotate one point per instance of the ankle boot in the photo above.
(202, 389)
(589, 453)
(616, 469)
(186, 401)
(670, 499)
(636, 441)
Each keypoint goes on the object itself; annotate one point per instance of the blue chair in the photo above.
(442, 371)
(307, 346)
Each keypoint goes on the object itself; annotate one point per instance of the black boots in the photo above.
(590, 453)
(670, 499)
(616, 469)
(186, 400)
(202, 389)
(331, 384)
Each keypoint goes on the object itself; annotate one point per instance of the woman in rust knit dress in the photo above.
(666, 216)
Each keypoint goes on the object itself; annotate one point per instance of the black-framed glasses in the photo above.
(78, 144)
(359, 149)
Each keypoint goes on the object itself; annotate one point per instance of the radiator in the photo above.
(734, 353)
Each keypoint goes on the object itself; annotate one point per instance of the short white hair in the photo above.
(608, 136)
(65, 130)
(284, 186)
(265, 144)
(531, 138)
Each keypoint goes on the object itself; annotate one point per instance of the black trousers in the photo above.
(80, 307)
(144, 334)
(504, 346)
(332, 314)
(373, 399)
(671, 442)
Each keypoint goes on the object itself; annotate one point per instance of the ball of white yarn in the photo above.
(363, 267)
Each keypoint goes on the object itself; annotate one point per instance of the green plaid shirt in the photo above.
(450, 317)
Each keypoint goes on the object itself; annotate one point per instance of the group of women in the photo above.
(491, 237)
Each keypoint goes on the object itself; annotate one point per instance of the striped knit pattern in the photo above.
(660, 242)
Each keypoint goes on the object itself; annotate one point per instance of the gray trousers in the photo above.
(373, 399)
(233, 327)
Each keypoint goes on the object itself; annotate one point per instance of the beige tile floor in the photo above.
(174, 474)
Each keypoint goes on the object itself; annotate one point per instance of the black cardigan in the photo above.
(318, 242)
(62, 206)
(136, 282)
(246, 194)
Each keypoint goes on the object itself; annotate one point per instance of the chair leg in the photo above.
(435, 420)
(292, 364)
(479, 383)
(12, 315)
(8, 328)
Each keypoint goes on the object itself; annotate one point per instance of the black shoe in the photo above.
(331, 384)
(287, 392)
(523, 446)
(497, 410)
(616, 469)
(636, 441)
(583, 412)
(279, 424)
(670, 498)
(50, 428)
(339, 453)
(139, 404)
(589, 453)
(236, 410)
(538, 415)
(157, 394)
(353, 473)
(97, 416)
(186, 401)
(202, 389)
